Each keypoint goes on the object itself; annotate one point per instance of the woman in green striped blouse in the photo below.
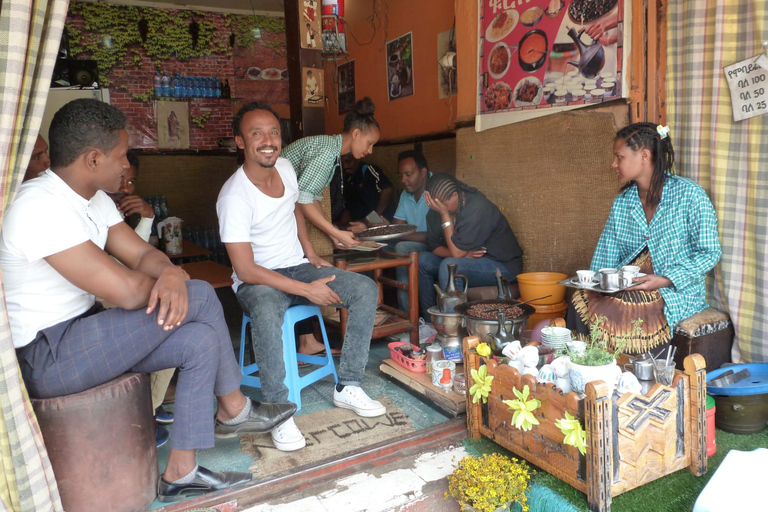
(315, 158)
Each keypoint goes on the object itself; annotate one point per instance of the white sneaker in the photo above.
(287, 437)
(354, 398)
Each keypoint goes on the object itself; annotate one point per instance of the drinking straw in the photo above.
(669, 353)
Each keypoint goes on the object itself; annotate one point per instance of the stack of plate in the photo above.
(555, 337)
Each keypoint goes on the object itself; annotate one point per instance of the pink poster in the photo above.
(549, 55)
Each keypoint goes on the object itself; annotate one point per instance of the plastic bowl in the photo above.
(539, 284)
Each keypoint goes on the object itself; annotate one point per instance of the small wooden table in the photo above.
(189, 250)
(377, 261)
(216, 274)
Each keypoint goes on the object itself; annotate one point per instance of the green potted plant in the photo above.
(597, 361)
(488, 483)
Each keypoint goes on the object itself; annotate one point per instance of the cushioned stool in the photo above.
(293, 381)
(709, 333)
(102, 447)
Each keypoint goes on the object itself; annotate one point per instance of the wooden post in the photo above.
(376, 276)
(413, 297)
(695, 368)
(471, 362)
(599, 426)
(304, 120)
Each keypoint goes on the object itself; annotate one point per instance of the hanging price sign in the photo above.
(748, 82)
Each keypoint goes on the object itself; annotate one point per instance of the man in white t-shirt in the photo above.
(276, 267)
(64, 242)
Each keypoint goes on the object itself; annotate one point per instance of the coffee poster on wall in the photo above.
(400, 67)
(311, 37)
(539, 57)
(314, 92)
(346, 79)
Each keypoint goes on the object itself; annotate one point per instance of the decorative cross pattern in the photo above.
(648, 408)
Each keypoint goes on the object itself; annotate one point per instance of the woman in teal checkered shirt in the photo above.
(662, 223)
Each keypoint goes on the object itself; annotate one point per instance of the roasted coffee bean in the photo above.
(490, 311)
(392, 229)
(585, 11)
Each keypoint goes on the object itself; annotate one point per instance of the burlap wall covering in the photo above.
(553, 180)
(320, 241)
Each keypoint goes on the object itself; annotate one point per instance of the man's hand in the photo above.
(356, 226)
(651, 282)
(318, 262)
(347, 238)
(135, 204)
(321, 294)
(436, 204)
(475, 254)
(171, 294)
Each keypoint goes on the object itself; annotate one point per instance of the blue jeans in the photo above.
(479, 271)
(266, 306)
(401, 273)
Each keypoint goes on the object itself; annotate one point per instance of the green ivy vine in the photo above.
(201, 120)
(111, 31)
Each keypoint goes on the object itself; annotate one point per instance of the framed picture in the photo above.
(172, 125)
(309, 24)
(400, 67)
(446, 64)
(346, 78)
(312, 84)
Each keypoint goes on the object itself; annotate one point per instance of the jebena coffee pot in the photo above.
(450, 298)
(591, 57)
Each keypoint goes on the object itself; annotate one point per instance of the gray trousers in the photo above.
(94, 348)
(266, 306)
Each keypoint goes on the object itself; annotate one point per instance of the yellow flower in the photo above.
(523, 418)
(488, 482)
(574, 434)
(484, 350)
(482, 386)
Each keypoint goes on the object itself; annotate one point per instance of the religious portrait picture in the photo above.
(172, 125)
(346, 88)
(400, 67)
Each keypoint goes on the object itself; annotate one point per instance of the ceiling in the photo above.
(269, 7)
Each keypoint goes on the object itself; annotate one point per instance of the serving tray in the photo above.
(573, 282)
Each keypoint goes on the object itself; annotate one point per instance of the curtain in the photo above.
(729, 159)
(30, 32)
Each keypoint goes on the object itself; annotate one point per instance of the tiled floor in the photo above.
(227, 456)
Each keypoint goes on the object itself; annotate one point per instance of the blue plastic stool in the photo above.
(293, 381)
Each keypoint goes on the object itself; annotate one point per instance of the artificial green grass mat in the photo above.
(673, 493)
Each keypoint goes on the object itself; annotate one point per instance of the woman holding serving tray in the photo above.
(315, 158)
(661, 223)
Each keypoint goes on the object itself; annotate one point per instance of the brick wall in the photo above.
(129, 79)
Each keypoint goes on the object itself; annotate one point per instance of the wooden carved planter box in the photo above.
(630, 442)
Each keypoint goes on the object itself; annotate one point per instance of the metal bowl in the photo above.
(483, 328)
(446, 324)
(407, 229)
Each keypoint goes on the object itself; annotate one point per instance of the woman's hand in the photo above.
(435, 204)
(346, 239)
(651, 282)
(356, 226)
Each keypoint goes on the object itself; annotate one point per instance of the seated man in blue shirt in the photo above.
(412, 209)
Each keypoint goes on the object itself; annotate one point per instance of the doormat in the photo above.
(329, 433)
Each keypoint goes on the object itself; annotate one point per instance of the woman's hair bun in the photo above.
(365, 107)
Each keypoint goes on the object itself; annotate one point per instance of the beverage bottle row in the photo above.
(178, 86)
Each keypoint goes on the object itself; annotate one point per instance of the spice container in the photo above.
(434, 353)
(446, 381)
(460, 383)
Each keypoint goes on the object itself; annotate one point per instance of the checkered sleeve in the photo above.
(703, 241)
(316, 168)
(607, 253)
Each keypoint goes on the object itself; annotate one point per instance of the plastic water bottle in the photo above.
(205, 90)
(217, 88)
(166, 85)
(175, 85)
(158, 85)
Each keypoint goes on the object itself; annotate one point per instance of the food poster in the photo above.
(538, 57)
(400, 67)
(311, 38)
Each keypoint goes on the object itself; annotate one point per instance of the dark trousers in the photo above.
(94, 348)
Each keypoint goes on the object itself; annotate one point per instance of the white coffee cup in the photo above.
(585, 276)
(630, 270)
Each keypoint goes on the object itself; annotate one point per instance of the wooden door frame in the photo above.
(648, 61)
